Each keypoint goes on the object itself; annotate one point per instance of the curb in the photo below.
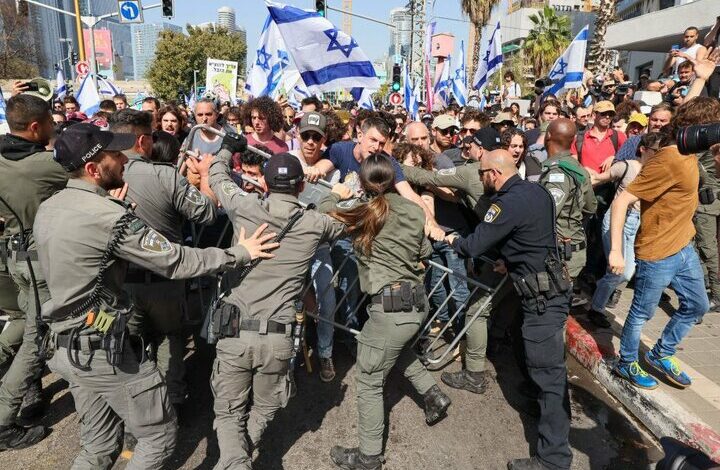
(657, 410)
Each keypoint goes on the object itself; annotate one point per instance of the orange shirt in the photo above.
(667, 187)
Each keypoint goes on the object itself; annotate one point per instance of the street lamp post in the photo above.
(69, 43)
(195, 72)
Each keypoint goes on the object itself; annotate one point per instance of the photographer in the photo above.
(677, 94)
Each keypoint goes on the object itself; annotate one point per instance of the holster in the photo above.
(544, 285)
(401, 297)
(225, 320)
(566, 249)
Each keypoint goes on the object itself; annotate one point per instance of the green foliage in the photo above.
(177, 55)
(548, 38)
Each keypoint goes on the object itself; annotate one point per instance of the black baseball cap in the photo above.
(82, 142)
(283, 172)
(487, 138)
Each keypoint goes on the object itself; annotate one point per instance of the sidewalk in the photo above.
(691, 415)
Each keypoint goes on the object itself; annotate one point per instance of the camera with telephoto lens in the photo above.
(699, 138)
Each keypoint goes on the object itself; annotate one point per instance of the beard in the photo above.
(111, 180)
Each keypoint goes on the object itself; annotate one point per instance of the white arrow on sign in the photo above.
(130, 11)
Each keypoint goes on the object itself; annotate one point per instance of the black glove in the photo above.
(234, 143)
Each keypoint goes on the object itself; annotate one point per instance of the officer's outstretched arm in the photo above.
(455, 178)
(149, 249)
(495, 226)
(189, 201)
(229, 194)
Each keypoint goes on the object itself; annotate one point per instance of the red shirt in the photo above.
(275, 145)
(595, 151)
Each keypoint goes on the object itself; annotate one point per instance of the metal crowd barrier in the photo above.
(317, 192)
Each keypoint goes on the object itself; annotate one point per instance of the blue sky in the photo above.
(374, 38)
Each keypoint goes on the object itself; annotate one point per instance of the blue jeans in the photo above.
(683, 273)
(348, 282)
(609, 282)
(321, 272)
(444, 255)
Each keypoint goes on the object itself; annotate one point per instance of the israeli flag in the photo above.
(192, 100)
(492, 62)
(271, 59)
(415, 103)
(106, 88)
(407, 88)
(3, 116)
(442, 87)
(88, 96)
(567, 71)
(326, 57)
(459, 90)
(363, 96)
(60, 85)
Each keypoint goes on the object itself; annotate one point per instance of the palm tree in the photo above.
(547, 39)
(599, 57)
(478, 11)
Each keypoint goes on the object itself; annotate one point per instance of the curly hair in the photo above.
(403, 149)
(507, 137)
(700, 110)
(475, 115)
(266, 107)
(335, 129)
(175, 111)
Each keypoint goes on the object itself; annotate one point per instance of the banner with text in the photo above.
(221, 79)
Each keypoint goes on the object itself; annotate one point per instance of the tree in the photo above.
(478, 11)
(547, 39)
(15, 46)
(177, 55)
(599, 57)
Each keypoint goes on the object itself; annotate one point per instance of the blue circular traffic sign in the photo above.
(129, 10)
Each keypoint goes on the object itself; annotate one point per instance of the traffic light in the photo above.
(320, 7)
(167, 8)
(396, 78)
(74, 58)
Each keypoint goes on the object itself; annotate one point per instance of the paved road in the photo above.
(481, 431)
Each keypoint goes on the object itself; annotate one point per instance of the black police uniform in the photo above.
(520, 223)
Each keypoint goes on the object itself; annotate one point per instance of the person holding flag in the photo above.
(491, 63)
(459, 89)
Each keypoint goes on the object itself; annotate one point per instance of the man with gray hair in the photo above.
(206, 142)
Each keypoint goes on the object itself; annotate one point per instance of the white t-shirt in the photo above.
(691, 51)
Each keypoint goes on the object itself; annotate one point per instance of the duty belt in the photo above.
(14, 247)
(227, 323)
(401, 297)
(272, 326)
(568, 248)
(80, 343)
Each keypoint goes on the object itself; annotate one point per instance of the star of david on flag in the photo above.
(271, 61)
(567, 71)
(326, 57)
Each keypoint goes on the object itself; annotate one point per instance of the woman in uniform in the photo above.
(389, 241)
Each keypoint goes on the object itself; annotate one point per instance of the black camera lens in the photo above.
(693, 139)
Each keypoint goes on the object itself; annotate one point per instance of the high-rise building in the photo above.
(144, 42)
(226, 19)
(400, 35)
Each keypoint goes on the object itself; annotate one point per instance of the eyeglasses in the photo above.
(465, 130)
(607, 114)
(314, 136)
(448, 131)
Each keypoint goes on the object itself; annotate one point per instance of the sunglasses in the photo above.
(465, 130)
(448, 131)
(607, 114)
(314, 136)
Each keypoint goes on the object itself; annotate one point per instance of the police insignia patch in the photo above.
(154, 242)
(194, 196)
(556, 178)
(492, 214)
(447, 171)
(230, 188)
(557, 194)
(346, 204)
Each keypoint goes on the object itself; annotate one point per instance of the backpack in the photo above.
(580, 139)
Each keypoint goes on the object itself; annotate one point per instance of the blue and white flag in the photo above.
(363, 96)
(3, 117)
(60, 85)
(192, 100)
(326, 57)
(106, 88)
(271, 59)
(88, 96)
(407, 88)
(459, 90)
(415, 103)
(491, 62)
(442, 87)
(567, 71)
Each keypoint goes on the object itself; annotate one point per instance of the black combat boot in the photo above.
(532, 463)
(353, 459)
(32, 404)
(13, 437)
(436, 405)
(614, 299)
(475, 382)
(327, 369)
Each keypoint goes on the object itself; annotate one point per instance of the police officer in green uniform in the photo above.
(97, 236)
(389, 241)
(28, 176)
(164, 199)
(254, 320)
(11, 335)
(706, 233)
(519, 223)
(569, 183)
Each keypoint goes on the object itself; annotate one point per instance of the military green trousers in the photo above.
(108, 399)
(382, 343)
(26, 366)
(11, 336)
(160, 308)
(249, 364)
(706, 243)
(577, 263)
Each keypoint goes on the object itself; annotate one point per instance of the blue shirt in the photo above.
(629, 149)
(342, 158)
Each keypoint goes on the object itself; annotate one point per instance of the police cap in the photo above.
(283, 172)
(82, 142)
